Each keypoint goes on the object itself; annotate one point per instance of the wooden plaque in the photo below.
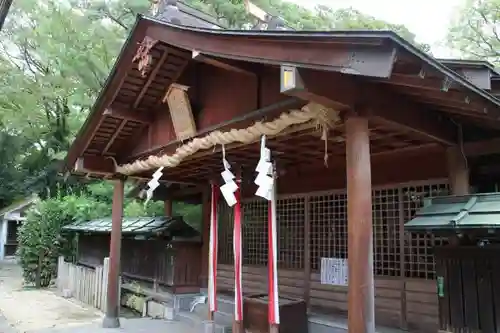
(180, 111)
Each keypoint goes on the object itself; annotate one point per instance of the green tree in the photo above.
(475, 31)
(321, 17)
(55, 57)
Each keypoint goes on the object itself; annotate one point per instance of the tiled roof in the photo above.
(171, 226)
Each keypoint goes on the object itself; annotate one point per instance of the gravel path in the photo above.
(28, 310)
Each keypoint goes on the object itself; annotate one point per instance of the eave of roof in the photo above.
(20, 204)
(136, 34)
(474, 211)
(172, 226)
(143, 23)
(470, 64)
(338, 34)
(190, 16)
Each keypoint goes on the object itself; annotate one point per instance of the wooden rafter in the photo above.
(94, 165)
(198, 56)
(174, 79)
(122, 112)
(151, 78)
(114, 136)
(302, 84)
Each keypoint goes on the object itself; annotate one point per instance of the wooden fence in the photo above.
(87, 285)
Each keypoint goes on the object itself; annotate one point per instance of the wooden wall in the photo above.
(209, 90)
(404, 266)
(146, 260)
(408, 303)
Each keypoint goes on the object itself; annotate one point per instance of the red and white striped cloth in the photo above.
(238, 292)
(212, 256)
(273, 309)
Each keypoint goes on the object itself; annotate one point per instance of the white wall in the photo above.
(3, 237)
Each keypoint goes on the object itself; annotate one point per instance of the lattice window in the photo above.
(419, 258)
(386, 233)
(291, 217)
(226, 224)
(328, 231)
(255, 232)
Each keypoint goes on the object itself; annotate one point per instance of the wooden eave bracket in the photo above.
(374, 62)
(299, 83)
(417, 122)
(128, 114)
(94, 165)
(369, 57)
(198, 56)
(403, 114)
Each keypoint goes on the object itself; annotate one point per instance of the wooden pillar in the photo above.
(458, 176)
(307, 254)
(205, 237)
(458, 171)
(361, 313)
(111, 318)
(168, 207)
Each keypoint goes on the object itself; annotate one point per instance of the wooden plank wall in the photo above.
(87, 285)
(411, 304)
(422, 307)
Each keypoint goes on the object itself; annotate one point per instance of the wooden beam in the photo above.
(117, 111)
(364, 56)
(114, 136)
(483, 147)
(108, 94)
(383, 106)
(444, 92)
(303, 84)
(94, 165)
(151, 78)
(198, 56)
(458, 171)
(423, 123)
(416, 81)
(174, 79)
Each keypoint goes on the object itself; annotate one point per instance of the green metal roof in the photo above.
(173, 226)
(475, 211)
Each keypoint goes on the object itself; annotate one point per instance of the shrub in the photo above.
(40, 237)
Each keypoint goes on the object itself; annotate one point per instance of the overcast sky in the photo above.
(427, 19)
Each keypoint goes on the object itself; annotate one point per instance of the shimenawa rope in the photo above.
(321, 117)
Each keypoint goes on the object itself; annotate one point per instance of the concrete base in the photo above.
(111, 322)
(208, 327)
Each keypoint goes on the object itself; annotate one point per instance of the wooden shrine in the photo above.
(362, 127)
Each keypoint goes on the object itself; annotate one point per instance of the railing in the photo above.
(87, 285)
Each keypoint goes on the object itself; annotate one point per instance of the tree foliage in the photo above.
(475, 32)
(55, 57)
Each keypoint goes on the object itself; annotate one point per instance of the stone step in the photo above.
(200, 324)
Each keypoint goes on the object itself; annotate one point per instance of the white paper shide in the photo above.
(264, 179)
(230, 186)
(153, 184)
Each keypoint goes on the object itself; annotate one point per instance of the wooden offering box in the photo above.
(293, 314)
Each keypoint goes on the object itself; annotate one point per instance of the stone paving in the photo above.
(28, 310)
